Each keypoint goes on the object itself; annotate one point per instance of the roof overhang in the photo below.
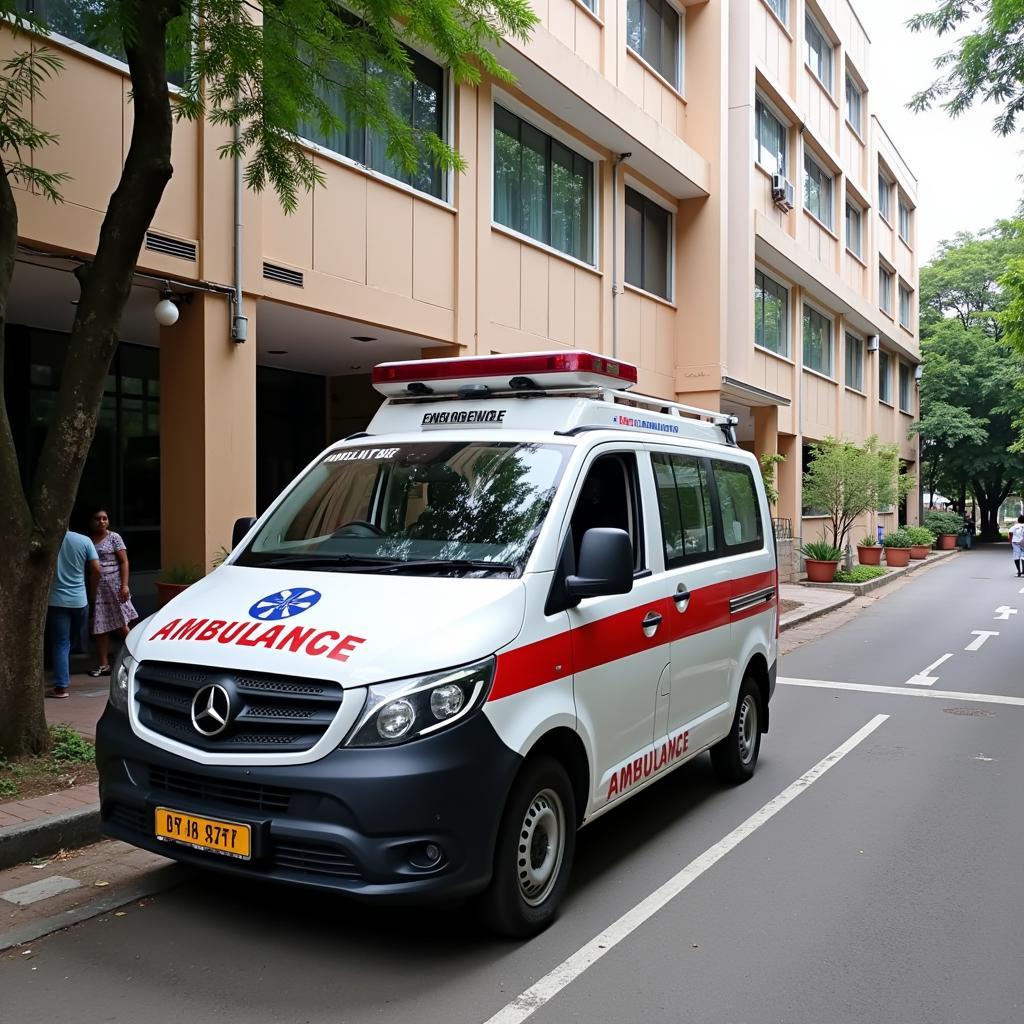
(750, 395)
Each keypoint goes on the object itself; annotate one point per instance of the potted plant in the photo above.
(897, 546)
(947, 526)
(921, 540)
(868, 551)
(822, 561)
(174, 579)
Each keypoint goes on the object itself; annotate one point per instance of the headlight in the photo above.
(123, 664)
(410, 708)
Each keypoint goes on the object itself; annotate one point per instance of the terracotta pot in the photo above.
(946, 542)
(821, 572)
(165, 591)
(897, 557)
(869, 555)
(919, 551)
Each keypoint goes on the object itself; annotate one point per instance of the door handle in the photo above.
(650, 624)
(681, 598)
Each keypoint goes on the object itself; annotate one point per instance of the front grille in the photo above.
(314, 858)
(252, 795)
(267, 712)
(127, 817)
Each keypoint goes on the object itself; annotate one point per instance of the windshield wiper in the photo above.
(469, 564)
(342, 561)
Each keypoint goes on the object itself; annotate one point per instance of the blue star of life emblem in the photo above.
(284, 604)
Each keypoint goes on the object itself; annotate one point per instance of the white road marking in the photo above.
(922, 678)
(981, 757)
(982, 635)
(1004, 612)
(976, 698)
(528, 1002)
(1021, 591)
(25, 895)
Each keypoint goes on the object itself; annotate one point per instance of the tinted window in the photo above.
(609, 499)
(687, 525)
(741, 513)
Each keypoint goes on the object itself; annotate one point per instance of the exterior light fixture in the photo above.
(166, 312)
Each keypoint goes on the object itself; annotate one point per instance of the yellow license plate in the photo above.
(226, 837)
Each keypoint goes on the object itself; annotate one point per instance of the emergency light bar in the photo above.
(474, 376)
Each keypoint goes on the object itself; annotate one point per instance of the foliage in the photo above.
(943, 523)
(769, 460)
(920, 535)
(219, 557)
(860, 574)
(897, 539)
(869, 540)
(8, 788)
(821, 551)
(181, 574)
(846, 481)
(68, 747)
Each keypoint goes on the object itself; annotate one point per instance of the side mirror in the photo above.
(242, 527)
(605, 565)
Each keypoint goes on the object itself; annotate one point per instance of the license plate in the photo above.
(225, 837)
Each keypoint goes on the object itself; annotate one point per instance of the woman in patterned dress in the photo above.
(113, 611)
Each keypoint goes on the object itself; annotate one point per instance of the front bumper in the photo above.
(356, 821)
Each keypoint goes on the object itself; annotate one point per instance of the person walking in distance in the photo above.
(73, 587)
(112, 611)
(1017, 542)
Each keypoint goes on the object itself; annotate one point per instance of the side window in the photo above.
(684, 502)
(741, 514)
(610, 498)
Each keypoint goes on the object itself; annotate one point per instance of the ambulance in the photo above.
(522, 596)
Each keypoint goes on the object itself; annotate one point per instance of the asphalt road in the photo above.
(885, 886)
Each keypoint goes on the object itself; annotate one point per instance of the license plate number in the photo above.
(225, 837)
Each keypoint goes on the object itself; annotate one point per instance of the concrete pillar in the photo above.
(766, 430)
(207, 431)
(787, 480)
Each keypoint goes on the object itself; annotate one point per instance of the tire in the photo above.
(735, 758)
(534, 852)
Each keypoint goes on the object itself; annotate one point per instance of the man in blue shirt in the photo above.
(74, 585)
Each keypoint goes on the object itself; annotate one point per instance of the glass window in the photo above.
(853, 96)
(884, 198)
(652, 30)
(817, 341)
(905, 387)
(541, 187)
(884, 377)
(740, 511)
(905, 306)
(771, 314)
(779, 7)
(854, 362)
(885, 290)
(904, 227)
(648, 244)
(853, 232)
(817, 191)
(819, 53)
(770, 139)
(684, 501)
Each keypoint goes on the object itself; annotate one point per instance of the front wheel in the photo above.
(534, 853)
(735, 757)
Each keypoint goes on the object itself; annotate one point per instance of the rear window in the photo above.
(742, 529)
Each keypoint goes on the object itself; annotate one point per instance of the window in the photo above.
(652, 30)
(610, 498)
(884, 377)
(806, 461)
(853, 96)
(854, 362)
(853, 232)
(819, 53)
(771, 314)
(684, 502)
(885, 290)
(648, 245)
(904, 226)
(817, 191)
(738, 506)
(884, 198)
(770, 139)
(905, 306)
(420, 103)
(779, 7)
(905, 405)
(541, 187)
(817, 341)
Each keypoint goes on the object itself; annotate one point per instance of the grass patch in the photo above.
(861, 574)
(71, 762)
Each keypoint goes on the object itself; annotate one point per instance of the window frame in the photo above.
(905, 376)
(648, 200)
(884, 186)
(885, 358)
(785, 329)
(851, 206)
(780, 8)
(761, 104)
(811, 22)
(745, 547)
(704, 470)
(903, 212)
(675, 81)
(890, 277)
(853, 86)
(859, 348)
(809, 159)
(907, 294)
(809, 307)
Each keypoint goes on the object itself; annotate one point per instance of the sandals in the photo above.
(102, 670)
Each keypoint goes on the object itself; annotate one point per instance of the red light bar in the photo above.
(529, 369)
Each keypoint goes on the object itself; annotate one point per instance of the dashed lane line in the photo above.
(976, 698)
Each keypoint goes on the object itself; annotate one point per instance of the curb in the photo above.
(890, 577)
(45, 836)
(799, 618)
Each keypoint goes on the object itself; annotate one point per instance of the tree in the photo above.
(986, 63)
(846, 481)
(265, 69)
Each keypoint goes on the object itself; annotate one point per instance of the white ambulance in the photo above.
(521, 597)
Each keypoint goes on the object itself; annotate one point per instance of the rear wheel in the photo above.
(534, 853)
(735, 758)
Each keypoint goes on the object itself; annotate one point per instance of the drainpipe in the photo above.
(615, 253)
(239, 322)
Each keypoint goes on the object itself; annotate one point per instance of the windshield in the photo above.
(465, 508)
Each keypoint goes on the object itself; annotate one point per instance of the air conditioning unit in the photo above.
(872, 342)
(782, 192)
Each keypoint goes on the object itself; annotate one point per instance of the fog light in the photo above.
(426, 856)
(395, 719)
(446, 701)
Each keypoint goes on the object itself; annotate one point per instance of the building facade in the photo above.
(618, 198)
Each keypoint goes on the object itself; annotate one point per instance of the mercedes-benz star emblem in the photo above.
(211, 709)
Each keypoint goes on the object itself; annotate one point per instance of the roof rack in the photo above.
(722, 419)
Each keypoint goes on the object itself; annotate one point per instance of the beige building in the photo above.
(620, 198)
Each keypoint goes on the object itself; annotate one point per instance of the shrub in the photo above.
(897, 539)
(869, 541)
(8, 788)
(821, 551)
(69, 747)
(920, 535)
(184, 574)
(860, 574)
(943, 522)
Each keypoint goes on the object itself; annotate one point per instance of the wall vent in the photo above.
(179, 247)
(285, 275)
